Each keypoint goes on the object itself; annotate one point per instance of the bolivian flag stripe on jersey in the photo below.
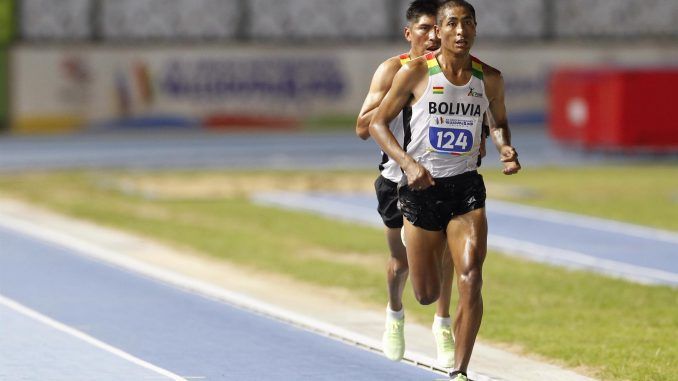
(476, 68)
(433, 67)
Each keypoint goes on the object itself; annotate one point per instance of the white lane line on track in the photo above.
(204, 289)
(11, 304)
(578, 220)
(578, 260)
(309, 200)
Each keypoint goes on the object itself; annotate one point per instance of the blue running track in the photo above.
(187, 334)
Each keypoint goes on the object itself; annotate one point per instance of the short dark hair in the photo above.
(420, 8)
(457, 3)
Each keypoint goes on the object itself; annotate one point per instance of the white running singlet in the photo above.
(447, 122)
(388, 167)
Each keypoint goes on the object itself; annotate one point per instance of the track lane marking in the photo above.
(23, 310)
(582, 221)
(574, 259)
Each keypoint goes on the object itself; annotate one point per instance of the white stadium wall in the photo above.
(96, 86)
(81, 86)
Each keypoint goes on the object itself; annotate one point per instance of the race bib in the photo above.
(451, 135)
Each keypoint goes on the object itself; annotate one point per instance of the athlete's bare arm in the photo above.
(501, 134)
(381, 84)
(409, 83)
(487, 120)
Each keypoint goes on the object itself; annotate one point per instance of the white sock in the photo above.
(441, 321)
(397, 315)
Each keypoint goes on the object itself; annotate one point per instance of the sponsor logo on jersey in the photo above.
(452, 108)
(439, 90)
(474, 93)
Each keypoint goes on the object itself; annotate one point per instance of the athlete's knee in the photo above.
(427, 295)
(471, 281)
(399, 267)
(427, 299)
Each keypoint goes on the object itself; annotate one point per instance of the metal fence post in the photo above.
(549, 20)
(96, 20)
(393, 12)
(245, 22)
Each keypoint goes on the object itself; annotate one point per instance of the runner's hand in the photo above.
(418, 178)
(509, 157)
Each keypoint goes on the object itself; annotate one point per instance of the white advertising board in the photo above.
(95, 84)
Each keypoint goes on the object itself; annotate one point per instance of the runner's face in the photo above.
(457, 30)
(422, 36)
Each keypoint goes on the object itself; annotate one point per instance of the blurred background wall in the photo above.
(106, 64)
(330, 20)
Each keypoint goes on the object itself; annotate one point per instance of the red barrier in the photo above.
(615, 108)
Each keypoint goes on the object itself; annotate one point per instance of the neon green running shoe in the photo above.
(393, 340)
(444, 345)
(459, 377)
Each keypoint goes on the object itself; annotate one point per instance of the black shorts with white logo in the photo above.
(433, 208)
(387, 195)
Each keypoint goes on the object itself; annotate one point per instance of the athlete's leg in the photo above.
(424, 258)
(396, 269)
(447, 273)
(442, 325)
(467, 240)
(396, 272)
(393, 340)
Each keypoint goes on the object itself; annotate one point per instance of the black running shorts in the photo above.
(433, 208)
(387, 195)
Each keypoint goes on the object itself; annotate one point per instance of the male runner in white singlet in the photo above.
(442, 195)
(421, 16)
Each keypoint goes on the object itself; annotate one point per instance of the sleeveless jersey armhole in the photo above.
(433, 69)
(478, 72)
